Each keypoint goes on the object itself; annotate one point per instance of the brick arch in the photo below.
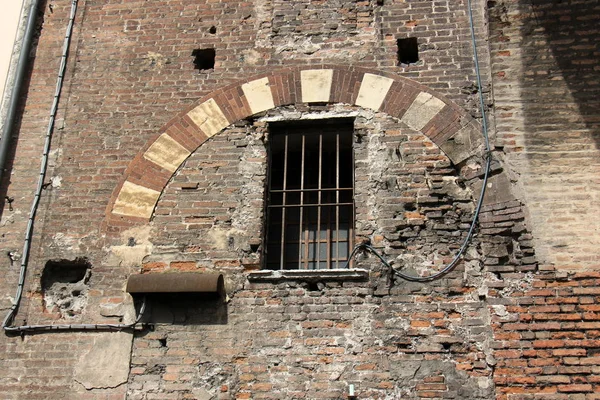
(420, 108)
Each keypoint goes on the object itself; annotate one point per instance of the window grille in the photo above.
(310, 210)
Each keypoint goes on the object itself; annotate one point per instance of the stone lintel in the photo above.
(308, 275)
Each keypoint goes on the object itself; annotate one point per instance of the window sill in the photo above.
(309, 275)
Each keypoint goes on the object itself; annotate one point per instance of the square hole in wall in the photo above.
(204, 59)
(408, 50)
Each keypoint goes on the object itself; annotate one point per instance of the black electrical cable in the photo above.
(488, 162)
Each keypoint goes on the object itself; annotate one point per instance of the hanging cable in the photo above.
(9, 319)
(488, 161)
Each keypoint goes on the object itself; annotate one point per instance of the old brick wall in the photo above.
(547, 338)
(546, 85)
(545, 78)
(131, 71)
(298, 338)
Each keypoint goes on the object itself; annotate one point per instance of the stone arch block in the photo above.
(417, 106)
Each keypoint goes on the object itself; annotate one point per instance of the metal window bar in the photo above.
(318, 231)
(285, 158)
(337, 199)
(305, 188)
(301, 201)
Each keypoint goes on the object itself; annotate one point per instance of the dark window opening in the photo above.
(212, 30)
(408, 50)
(204, 59)
(310, 209)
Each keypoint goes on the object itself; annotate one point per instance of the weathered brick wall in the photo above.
(545, 75)
(546, 91)
(131, 71)
(290, 341)
(408, 196)
(295, 338)
(547, 338)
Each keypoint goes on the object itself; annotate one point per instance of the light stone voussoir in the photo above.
(259, 95)
(465, 143)
(373, 90)
(422, 110)
(209, 117)
(135, 200)
(316, 85)
(167, 153)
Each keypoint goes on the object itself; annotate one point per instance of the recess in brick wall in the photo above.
(408, 50)
(204, 58)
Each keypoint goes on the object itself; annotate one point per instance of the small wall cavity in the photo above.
(65, 286)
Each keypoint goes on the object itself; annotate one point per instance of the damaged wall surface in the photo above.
(159, 164)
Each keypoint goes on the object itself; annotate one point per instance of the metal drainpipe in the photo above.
(7, 131)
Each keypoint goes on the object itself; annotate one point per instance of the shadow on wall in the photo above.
(185, 309)
(560, 53)
(547, 84)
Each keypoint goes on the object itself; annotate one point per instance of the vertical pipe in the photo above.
(43, 169)
(353, 211)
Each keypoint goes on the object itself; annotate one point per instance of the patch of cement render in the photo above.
(210, 377)
(221, 237)
(338, 111)
(65, 242)
(377, 164)
(135, 246)
(263, 14)
(125, 311)
(106, 364)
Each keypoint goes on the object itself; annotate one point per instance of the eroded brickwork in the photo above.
(546, 86)
(310, 338)
(289, 340)
(545, 69)
(158, 167)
